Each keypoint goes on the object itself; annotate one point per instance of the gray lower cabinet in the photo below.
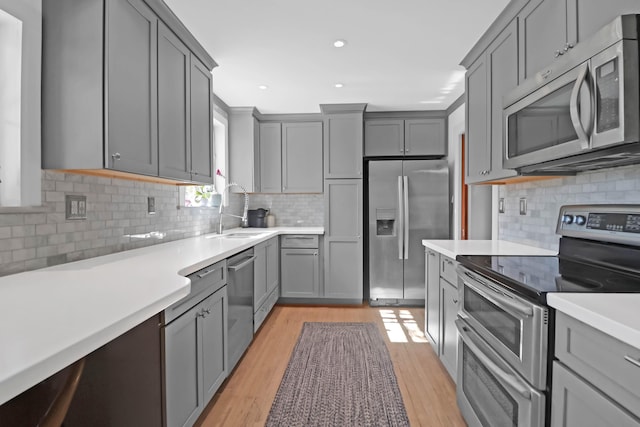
(449, 333)
(195, 358)
(302, 157)
(138, 118)
(300, 266)
(343, 255)
(266, 279)
(405, 137)
(596, 379)
(441, 308)
(432, 298)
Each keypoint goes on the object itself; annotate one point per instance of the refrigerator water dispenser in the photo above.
(385, 222)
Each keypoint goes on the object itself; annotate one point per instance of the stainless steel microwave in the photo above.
(582, 112)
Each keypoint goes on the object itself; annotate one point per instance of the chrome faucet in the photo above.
(244, 217)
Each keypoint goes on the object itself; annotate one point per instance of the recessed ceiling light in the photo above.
(263, 87)
(339, 43)
(338, 85)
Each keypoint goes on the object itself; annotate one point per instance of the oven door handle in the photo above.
(508, 379)
(495, 297)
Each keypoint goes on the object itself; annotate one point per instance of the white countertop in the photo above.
(453, 248)
(50, 318)
(614, 314)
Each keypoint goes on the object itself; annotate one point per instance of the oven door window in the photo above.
(501, 324)
(490, 401)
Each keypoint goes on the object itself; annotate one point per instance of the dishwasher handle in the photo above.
(242, 264)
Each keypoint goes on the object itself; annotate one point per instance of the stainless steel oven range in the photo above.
(505, 343)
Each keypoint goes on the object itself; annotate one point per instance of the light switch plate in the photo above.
(523, 206)
(501, 205)
(75, 206)
(151, 205)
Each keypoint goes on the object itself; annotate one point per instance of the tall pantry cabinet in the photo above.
(343, 193)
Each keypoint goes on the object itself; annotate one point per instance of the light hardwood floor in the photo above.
(427, 390)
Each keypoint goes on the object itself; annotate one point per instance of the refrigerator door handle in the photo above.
(405, 223)
(400, 227)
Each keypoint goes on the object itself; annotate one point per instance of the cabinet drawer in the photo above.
(575, 403)
(299, 241)
(448, 270)
(208, 279)
(265, 309)
(607, 363)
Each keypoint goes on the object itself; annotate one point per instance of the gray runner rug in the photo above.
(340, 374)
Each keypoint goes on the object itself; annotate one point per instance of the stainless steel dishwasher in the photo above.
(240, 290)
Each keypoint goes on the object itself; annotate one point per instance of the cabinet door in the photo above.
(131, 88)
(174, 152)
(432, 305)
(575, 403)
(270, 158)
(213, 339)
(586, 17)
(299, 273)
(478, 150)
(543, 34)
(302, 157)
(449, 337)
(201, 114)
(424, 137)
(343, 146)
(343, 259)
(502, 68)
(184, 400)
(259, 276)
(384, 137)
(273, 264)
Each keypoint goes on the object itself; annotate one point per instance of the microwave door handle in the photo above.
(574, 110)
(506, 378)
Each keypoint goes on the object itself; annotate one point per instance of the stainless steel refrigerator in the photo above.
(408, 202)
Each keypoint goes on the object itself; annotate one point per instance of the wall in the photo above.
(117, 220)
(544, 198)
(455, 129)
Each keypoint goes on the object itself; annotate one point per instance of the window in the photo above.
(209, 195)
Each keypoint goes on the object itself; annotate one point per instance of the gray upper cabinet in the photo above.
(201, 118)
(478, 152)
(343, 141)
(147, 117)
(244, 149)
(270, 157)
(585, 17)
(410, 137)
(543, 34)
(343, 239)
(132, 144)
(424, 137)
(384, 137)
(173, 105)
(302, 157)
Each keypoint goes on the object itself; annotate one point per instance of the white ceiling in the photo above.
(400, 55)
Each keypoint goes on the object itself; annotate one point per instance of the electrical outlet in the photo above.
(151, 205)
(523, 206)
(501, 205)
(75, 206)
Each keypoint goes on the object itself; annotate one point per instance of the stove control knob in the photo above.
(567, 219)
(580, 220)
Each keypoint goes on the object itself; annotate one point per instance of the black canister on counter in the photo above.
(257, 217)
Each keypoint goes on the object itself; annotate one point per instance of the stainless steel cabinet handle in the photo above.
(242, 264)
(558, 53)
(206, 273)
(449, 261)
(116, 156)
(568, 46)
(510, 380)
(633, 361)
(431, 253)
(299, 237)
(315, 254)
(546, 74)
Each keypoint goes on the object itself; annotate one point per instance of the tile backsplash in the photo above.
(117, 220)
(544, 199)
